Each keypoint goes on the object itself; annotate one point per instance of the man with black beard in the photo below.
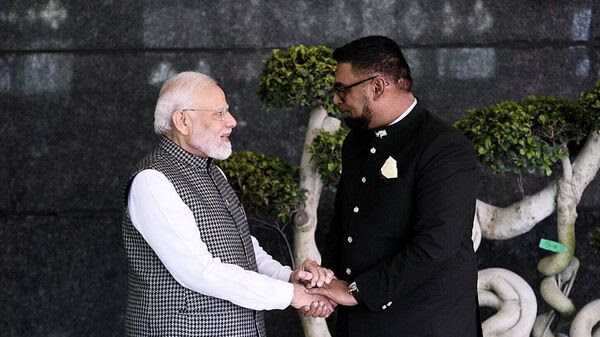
(401, 234)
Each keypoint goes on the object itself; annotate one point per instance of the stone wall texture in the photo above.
(79, 79)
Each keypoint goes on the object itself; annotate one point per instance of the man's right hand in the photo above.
(311, 305)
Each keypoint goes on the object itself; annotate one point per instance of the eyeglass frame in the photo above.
(341, 89)
(222, 112)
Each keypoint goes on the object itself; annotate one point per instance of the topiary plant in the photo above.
(299, 76)
(531, 135)
(267, 186)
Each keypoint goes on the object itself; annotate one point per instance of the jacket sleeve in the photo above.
(444, 203)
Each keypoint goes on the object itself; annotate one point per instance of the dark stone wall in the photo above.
(79, 79)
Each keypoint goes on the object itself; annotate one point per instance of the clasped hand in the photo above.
(316, 290)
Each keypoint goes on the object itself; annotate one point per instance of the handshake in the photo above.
(316, 290)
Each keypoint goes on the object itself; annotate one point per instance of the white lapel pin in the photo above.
(381, 134)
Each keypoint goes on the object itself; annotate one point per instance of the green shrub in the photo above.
(590, 104)
(326, 153)
(531, 135)
(299, 76)
(267, 186)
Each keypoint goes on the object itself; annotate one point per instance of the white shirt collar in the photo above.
(405, 113)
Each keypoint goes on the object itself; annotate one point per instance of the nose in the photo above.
(230, 120)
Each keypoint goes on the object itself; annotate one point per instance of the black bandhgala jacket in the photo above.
(406, 240)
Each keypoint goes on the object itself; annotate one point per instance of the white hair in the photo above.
(175, 94)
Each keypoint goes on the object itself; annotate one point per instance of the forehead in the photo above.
(344, 74)
(211, 96)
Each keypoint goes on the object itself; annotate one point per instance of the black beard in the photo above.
(362, 122)
(358, 123)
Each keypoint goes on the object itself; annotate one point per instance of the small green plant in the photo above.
(326, 153)
(299, 76)
(530, 135)
(267, 186)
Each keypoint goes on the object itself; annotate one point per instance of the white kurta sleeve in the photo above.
(169, 227)
(269, 266)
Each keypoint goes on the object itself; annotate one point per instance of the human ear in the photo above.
(181, 122)
(378, 87)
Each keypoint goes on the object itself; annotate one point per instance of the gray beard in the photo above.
(218, 151)
(212, 147)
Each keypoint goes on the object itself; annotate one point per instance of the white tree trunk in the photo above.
(305, 221)
(567, 199)
(501, 223)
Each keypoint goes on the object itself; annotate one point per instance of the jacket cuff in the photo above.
(371, 294)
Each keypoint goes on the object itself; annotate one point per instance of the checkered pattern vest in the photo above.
(156, 304)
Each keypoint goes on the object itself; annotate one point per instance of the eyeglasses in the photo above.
(340, 89)
(220, 115)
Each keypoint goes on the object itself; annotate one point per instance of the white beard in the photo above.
(211, 146)
(218, 151)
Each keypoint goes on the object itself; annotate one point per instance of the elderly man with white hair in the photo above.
(194, 268)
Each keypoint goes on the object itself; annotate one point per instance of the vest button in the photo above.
(363, 179)
(373, 150)
(355, 210)
(349, 239)
(348, 271)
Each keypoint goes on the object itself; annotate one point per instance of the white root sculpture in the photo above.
(555, 289)
(305, 220)
(512, 297)
(542, 324)
(585, 320)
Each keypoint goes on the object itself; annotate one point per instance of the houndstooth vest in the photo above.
(156, 304)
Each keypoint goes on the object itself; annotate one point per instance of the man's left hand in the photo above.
(320, 309)
(337, 291)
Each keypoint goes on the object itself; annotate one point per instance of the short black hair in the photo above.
(373, 54)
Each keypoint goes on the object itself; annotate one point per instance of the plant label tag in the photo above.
(554, 246)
